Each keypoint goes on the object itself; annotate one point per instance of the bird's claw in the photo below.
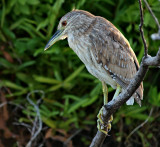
(102, 127)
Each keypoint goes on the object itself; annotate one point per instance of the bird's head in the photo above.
(74, 21)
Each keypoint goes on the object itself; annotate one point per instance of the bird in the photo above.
(103, 49)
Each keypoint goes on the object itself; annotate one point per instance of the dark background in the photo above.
(73, 97)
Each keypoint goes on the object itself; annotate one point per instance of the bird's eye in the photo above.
(64, 23)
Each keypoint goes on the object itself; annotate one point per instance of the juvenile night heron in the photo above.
(103, 49)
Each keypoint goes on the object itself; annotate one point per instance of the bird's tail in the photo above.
(138, 96)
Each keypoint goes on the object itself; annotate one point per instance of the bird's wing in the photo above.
(114, 57)
(111, 49)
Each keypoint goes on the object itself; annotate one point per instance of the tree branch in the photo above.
(115, 104)
(141, 29)
(153, 61)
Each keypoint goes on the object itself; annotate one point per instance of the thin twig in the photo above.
(66, 142)
(2, 104)
(23, 124)
(11, 103)
(141, 29)
(155, 36)
(141, 125)
(150, 10)
(36, 127)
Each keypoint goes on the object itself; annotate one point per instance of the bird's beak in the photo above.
(57, 36)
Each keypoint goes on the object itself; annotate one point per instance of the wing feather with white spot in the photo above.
(114, 52)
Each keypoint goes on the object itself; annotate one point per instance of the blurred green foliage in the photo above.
(73, 97)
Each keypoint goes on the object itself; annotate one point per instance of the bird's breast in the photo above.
(82, 47)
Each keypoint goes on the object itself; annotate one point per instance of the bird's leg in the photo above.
(105, 92)
(118, 90)
(105, 100)
(100, 124)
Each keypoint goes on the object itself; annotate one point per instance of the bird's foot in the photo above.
(103, 127)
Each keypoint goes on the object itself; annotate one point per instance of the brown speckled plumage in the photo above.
(103, 49)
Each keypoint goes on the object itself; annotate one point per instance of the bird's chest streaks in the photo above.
(82, 48)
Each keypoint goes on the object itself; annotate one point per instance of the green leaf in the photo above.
(33, 2)
(25, 78)
(147, 19)
(135, 110)
(46, 80)
(11, 85)
(3, 13)
(74, 74)
(76, 105)
(9, 33)
(17, 23)
(140, 116)
(54, 88)
(43, 24)
(73, 97)
(53, 15)
(19, 93)
(150, 135)
(49, 122)
(38, 51)
(24, 9)
(96, 90)
(6, 64)
(26, 64)
(22, 2)
(89, 101)
(129, 28)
